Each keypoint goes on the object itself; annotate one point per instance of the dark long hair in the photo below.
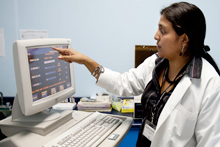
(189, 19)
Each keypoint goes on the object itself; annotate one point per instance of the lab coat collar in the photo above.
(194, 68)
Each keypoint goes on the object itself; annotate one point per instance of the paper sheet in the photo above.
(2, 43)
(33, 34)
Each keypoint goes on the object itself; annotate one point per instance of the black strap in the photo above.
(180, 72)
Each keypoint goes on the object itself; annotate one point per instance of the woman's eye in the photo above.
(162, 31)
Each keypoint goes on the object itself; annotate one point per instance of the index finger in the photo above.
(61, 50)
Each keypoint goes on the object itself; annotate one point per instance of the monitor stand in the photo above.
(17, 115)
(40, 123)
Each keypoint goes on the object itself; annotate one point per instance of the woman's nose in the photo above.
(156, 37)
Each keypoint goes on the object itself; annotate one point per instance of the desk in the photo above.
(131, 137)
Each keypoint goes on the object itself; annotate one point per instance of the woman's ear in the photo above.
(185, 39)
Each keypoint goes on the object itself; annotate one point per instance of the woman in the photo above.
(179, 84)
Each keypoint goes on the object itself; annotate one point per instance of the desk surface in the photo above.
(136, 123)
(26, 138)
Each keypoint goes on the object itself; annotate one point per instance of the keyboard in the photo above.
(92, 131)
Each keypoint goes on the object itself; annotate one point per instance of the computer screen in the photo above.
(42, 80)
(48, 74)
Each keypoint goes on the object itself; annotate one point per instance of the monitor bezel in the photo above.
(23, 81)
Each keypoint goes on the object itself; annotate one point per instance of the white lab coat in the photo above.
(191, 116)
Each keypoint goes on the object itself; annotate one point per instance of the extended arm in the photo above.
(127, 84)
(70, 55)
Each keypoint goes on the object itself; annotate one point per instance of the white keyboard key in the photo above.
(92, 141)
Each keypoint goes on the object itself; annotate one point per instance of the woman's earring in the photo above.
(181, 53)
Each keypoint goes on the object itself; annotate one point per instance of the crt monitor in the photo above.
(41, 79)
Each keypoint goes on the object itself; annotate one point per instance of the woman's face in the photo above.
(169, 44)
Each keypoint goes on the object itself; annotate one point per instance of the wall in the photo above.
(105, 30)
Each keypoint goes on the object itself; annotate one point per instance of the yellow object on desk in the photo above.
(127, 106)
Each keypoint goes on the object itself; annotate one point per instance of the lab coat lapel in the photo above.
(174, 99)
